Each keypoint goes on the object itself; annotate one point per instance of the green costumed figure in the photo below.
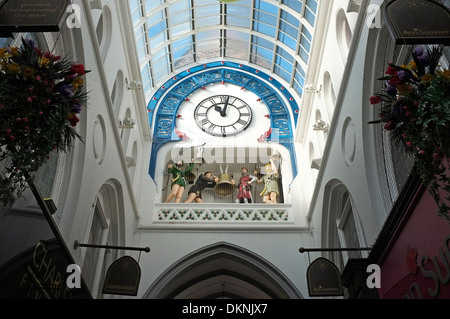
(270, 180)
(178, 182)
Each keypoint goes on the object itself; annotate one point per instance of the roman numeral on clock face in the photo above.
(223, 115)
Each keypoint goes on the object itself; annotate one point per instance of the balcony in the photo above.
(217, 216)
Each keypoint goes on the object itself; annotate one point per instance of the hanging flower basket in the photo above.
(415, 108)
(40, 98)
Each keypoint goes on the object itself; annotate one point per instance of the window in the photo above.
(310, 11)
(92, 256)
(288, 30)
(283, 64)
(342, 224)
(268, 34)
(183, 51)
(236, 44)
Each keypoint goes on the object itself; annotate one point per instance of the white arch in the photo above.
(222, 263)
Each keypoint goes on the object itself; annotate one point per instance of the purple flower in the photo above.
(403, 75)
(67, 91)
(76, 107)
(390, 90)
(424, 60)
(396, 111)
(30, 42)
(418, 51)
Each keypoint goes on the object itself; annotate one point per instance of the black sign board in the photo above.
(418, 22)
(39, 272)
(123, 277)
(32, 15)
(324, 279)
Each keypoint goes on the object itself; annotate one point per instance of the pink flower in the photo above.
(408, 144)
(30, 99)
(422, 152)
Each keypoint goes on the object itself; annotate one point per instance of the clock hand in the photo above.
(218, 109)
(224, 110)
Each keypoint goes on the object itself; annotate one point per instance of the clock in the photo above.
(223, 115)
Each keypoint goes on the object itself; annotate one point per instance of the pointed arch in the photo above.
(222, 270)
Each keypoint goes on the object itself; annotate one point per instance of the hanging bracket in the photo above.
(76, 244)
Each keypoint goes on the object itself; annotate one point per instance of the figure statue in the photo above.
(178, 181)
(270, 180)
(245, 186)
(207, 180)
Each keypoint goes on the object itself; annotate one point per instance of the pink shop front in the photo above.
(416, 261)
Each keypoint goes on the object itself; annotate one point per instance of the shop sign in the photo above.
(123, 277)
(324, 279)
(418, 22)
(32, 15)
(38, 273)
(429, 275)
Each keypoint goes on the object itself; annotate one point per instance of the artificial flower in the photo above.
(414, 106)
(40, 95)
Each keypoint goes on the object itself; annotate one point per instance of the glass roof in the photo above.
(274, 35)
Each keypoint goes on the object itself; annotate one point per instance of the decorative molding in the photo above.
(223, 214)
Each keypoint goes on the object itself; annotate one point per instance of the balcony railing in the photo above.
(223, 214)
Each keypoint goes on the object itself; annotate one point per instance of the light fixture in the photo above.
(321, 126)
(130, 161)
(127, 123)
(311, 88)
(316, 163)
(133, 85)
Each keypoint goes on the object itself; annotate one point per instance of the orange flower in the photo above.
(13, 68)
(28, 73)
(445, 74)
(14, 50)
(43, 61)
(426, 78)
(404, 88)
(5, 54)
(77, 83)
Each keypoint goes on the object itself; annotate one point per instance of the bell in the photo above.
(199, 158)
(190, 178)
(276, 156)
(224, 186)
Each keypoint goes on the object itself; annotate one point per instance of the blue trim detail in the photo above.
(173, 92)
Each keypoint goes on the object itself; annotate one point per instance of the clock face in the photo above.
(223, 115)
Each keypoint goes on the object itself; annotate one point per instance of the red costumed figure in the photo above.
(245, 187)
